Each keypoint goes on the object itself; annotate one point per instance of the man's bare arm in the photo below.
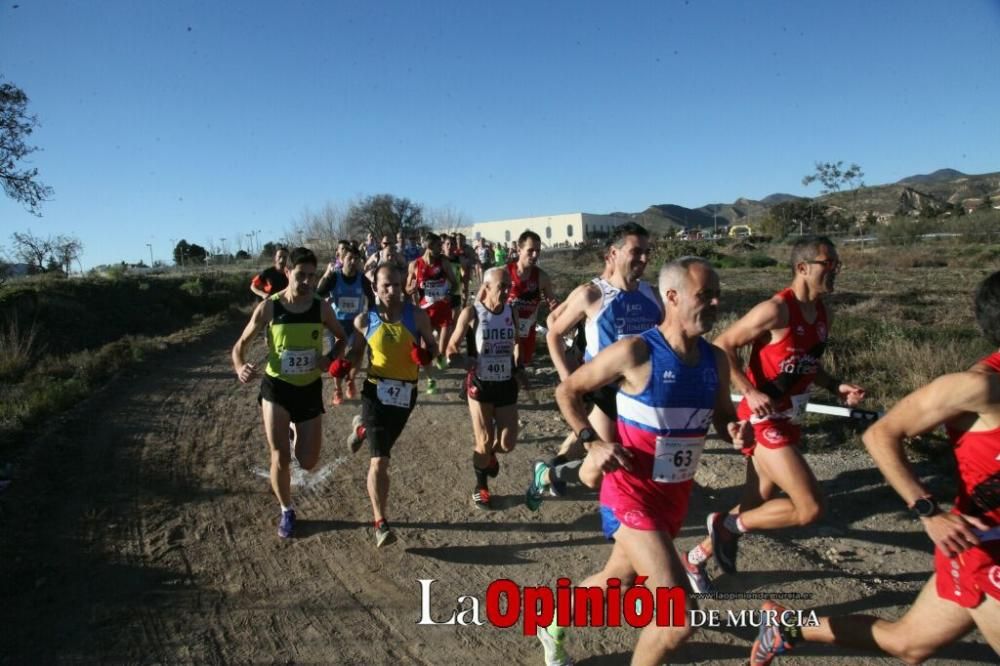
(576, 307)
(764, 317)
(261, 315)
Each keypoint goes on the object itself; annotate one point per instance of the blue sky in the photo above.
(208, 120)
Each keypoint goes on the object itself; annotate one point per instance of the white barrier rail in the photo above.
(833, 410)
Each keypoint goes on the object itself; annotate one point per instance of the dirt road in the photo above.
(140, 531)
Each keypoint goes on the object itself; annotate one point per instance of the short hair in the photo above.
(352, 249)
(280, 248)
(430, 238)
(807, 247)
(987, 308)
(618, 234)
(494, 272)
(674, 274)
(301, 255)
(345, 242)
(527, 235)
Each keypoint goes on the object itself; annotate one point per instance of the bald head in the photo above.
(495, 275)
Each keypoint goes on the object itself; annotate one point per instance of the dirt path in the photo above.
(140, 531)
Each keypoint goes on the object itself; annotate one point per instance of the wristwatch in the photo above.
(586, 435)
(925, 507)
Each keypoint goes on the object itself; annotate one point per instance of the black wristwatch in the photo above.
(925, 507)
(586, 435)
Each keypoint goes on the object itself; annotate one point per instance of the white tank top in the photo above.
(495, 340)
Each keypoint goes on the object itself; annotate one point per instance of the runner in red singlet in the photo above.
(431, 282)
(529, 284)
(964, 591)
(788, 333)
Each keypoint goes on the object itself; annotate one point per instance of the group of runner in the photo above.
(639, 407)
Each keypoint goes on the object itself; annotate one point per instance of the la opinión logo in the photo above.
(506, 603)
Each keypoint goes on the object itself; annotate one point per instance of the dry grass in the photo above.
(19, 347)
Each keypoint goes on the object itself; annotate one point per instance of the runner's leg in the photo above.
(308, 442)
(276, 422)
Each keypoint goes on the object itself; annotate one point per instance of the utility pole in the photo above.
(150, 246)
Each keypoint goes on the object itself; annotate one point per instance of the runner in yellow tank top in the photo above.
(291, 390)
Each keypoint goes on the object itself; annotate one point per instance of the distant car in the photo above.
(740, 231)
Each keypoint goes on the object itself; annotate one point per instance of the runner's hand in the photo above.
(420, 355)
(246, 372)
(952, 532)
(741, 433)
(339, 368)
(610, 456)
(851, 394)
(759, 403)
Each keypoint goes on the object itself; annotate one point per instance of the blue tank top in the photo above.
(622, 314)
(679, 399)
(347, 298)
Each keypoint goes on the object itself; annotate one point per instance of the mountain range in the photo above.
(943, 189)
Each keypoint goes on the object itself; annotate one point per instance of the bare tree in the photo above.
(16, 124)
(67, 249)
(447, 219)
(32, 250)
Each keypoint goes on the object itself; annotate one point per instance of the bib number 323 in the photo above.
(298, 361)
(677, 458)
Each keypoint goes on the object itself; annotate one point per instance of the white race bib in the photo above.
(394, 393)
(494, 369)
(677, 458)
(524, 325)
(298, 361)
(349, 304)
(436, 290)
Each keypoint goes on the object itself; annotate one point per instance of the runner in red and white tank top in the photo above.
(964, 592)
(529, 285)
(430, 282)
(785, 368)
(788, 333)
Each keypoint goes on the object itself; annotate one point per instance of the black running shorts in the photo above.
(301, 402)
(498, 394)
(383, 423)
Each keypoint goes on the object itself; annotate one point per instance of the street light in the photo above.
(150, 246)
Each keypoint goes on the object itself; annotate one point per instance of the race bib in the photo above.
(524, 325)
(493, 369)
(298, 361)
(349, 304)
(677, 458)
(394, 393)
(436, 290)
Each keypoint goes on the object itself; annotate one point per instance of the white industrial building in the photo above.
(555, 230)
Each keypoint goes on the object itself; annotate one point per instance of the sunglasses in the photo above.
(829, 264)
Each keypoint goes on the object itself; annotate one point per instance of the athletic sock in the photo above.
(697, 555)
(480, 477)
(568, 471)
(380, 522)
(290, 507)
(734, 524)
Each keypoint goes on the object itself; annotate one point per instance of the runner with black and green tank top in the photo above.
(291, 389)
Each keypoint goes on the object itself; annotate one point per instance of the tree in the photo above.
(32, 250)
(242, 254)
(833, 177)
(67, 249)
(181, 251)
(269, 249)
(385, 215)
(189, 253)
(16, 124)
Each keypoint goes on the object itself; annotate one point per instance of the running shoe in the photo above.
(557, 487)
(384, 535)
(725, 544)
(494, 467)
(441, 363)
(697, 577)
(536, 491)
(350, 390)
(481, 498)
(357, 436)
(338, 397)
(432, 387)
(287, 524)
(772, 639)
(552, 639)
